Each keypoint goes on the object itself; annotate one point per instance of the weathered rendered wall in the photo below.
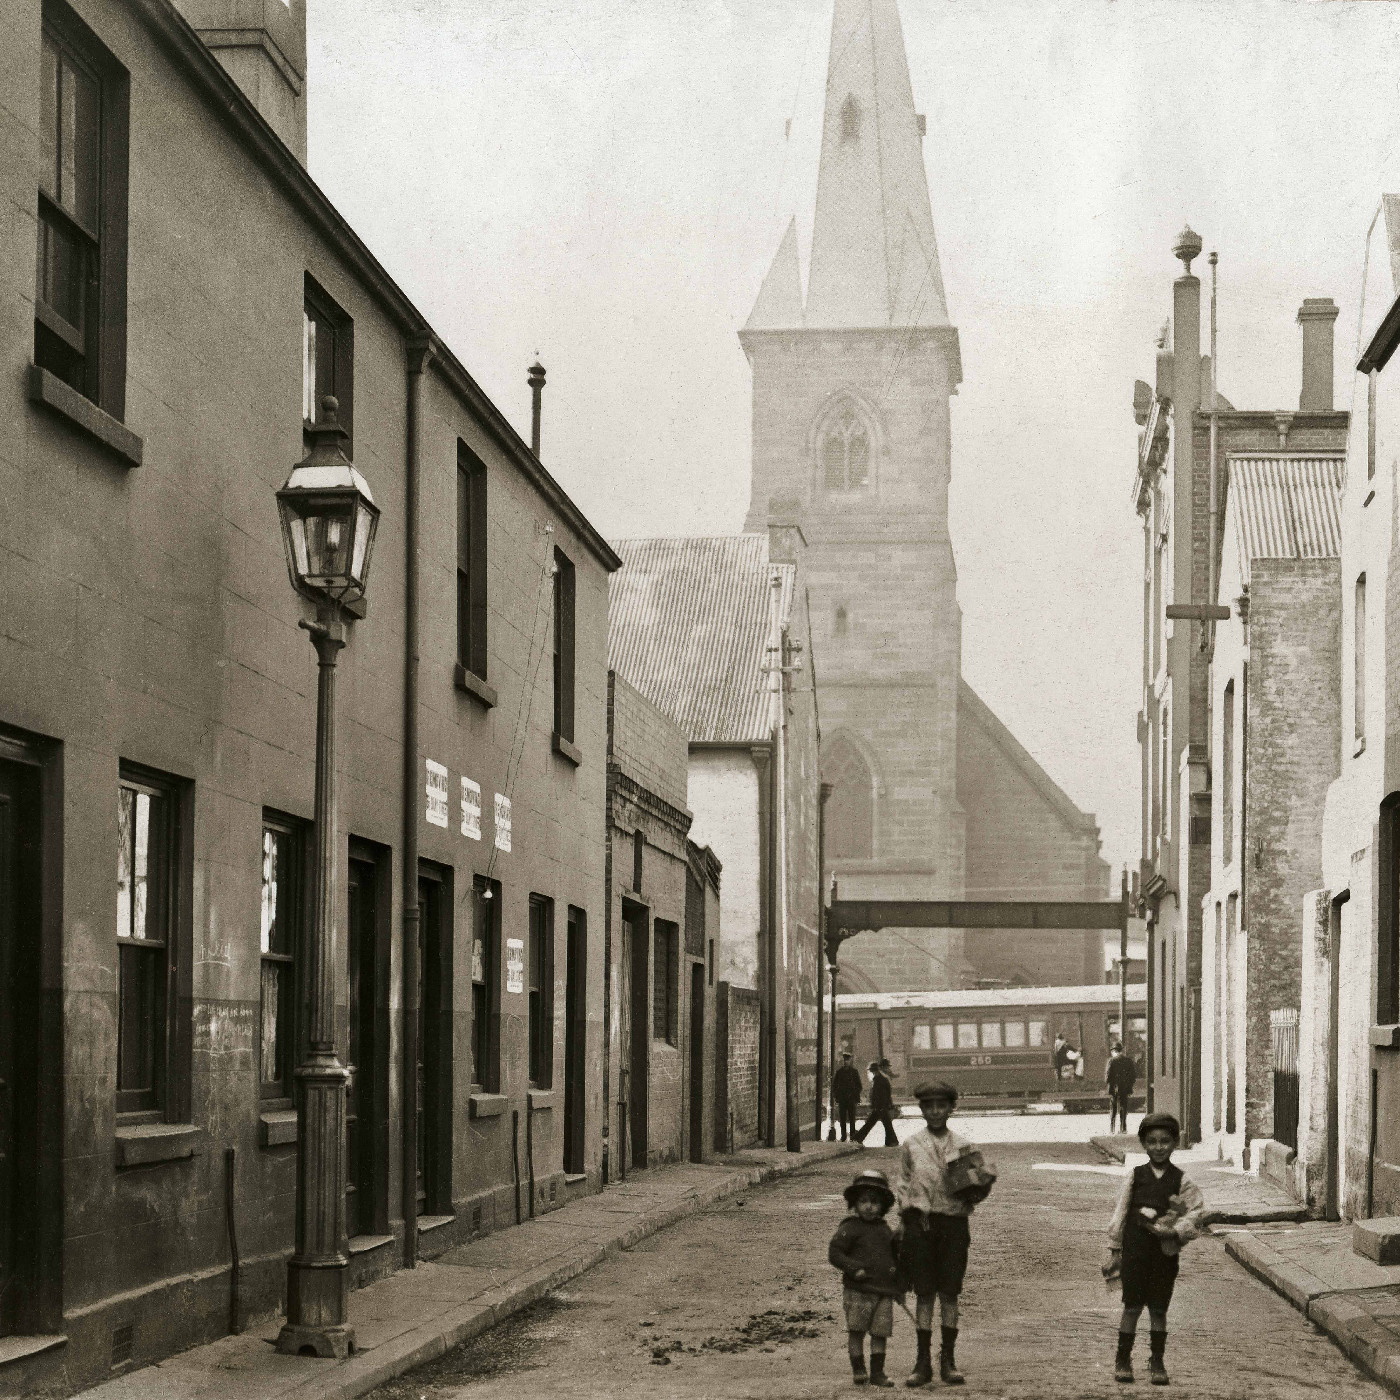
(722, 792)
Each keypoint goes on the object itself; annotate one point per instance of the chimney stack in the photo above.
(536, 383)
(1316, 316)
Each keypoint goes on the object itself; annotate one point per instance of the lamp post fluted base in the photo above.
(333, 1343)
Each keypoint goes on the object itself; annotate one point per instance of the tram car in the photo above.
(997, 1047)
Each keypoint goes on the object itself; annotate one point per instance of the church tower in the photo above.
(851, 441)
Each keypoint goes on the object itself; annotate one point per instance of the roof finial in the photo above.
(1188, 246)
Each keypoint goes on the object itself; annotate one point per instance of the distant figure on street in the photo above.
(845, 1095)
(863, 1249)
(1158, 1210)
(1066, 1057)
(1120, 1076)
(881, 1104)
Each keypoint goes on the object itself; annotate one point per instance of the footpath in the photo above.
(418, 1314)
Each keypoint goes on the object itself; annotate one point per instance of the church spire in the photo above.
(779, 304)
(874, 255)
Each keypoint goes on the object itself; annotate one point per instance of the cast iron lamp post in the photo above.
(328, 524)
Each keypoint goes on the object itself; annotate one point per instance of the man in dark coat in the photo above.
(881, 1105)
(845, 1095)
(1121, 1076)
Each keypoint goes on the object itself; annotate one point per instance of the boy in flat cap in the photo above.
(933, 1215)
(863, 1249)
(1158, 1210)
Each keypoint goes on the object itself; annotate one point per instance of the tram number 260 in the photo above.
(979, 1060)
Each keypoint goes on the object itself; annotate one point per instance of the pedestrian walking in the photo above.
(1120, 1076)
(845, 1094)
(863, 1249)
(941, 1177)
(1158, 1210)
(881, 1104)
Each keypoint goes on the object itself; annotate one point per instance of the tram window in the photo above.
(943, 1035)
(991, 1035)
(1015, 1034)
(921, 1039)
(1037, 1029)
(967, 1035)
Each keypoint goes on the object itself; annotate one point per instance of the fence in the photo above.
(1283, 1033)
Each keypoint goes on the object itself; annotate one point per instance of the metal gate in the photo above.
(1283, 1032)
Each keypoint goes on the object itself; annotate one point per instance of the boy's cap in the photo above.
(936, 1089)
(1158, 1120)
(872, 1181)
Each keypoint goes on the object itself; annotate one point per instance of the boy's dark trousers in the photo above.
(882, 1117)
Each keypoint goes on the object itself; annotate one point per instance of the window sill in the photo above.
(48, 389)
(428, 1223)
(1370, 496)
(486, 1105)
(541, 1099)
(1385, 1037)
(277, 1127)
(20, 1348)
(1359, 747)
(143, 1144)
(566, 749)
(474, 686)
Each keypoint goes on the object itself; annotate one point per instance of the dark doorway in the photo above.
(697, 1062)
(20, 998)
(366, 1047)
(637, 961)
(575, 1047)
(434, 1042)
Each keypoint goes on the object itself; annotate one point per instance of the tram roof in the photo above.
(1095, 994)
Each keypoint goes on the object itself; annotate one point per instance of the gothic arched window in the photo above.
(850, 810)
(845, 453)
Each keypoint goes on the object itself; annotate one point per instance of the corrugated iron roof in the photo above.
(1286, 506)
(688, 625)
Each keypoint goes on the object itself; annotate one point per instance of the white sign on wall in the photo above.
(437, 794)
(502, 823)
(515, 965)
(471, 809)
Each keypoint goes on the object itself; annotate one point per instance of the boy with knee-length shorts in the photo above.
(934, 1229)
(863, 1249)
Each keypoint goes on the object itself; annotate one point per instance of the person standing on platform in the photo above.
(1120, 1076)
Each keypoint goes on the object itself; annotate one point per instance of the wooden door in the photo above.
(575, 1048)
(697, 1062)
(361, 1057)
(639, 1019)
(19, 1040)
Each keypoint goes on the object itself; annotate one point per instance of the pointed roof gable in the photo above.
(874, 253)
(779, 304)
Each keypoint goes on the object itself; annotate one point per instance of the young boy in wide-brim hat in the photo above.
(934, 1228)
(863, 1249)
(1158, 1210)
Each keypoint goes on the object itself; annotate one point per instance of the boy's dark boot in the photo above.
(1156, 1367)
(878, 1379)
(948, 1372)
(1123, 1362)
(856, 1351)
(923, 1364)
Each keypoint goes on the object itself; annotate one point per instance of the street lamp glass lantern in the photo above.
(329, 517)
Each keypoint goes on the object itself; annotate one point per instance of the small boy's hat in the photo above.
(936, 1089)
(871, 1180)
(1158, 1120)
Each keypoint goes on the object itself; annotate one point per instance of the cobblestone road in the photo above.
(741, 1302)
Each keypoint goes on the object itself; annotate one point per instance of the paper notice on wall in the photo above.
(437, 794)
(471, 809)
(502, 823)
(515, 965)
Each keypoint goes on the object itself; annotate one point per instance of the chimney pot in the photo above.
(1317, 316)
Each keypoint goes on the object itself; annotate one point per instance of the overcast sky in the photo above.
(605, 182)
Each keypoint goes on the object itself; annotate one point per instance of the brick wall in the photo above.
(646, 744)
(1293, 746)
(737, 1016)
